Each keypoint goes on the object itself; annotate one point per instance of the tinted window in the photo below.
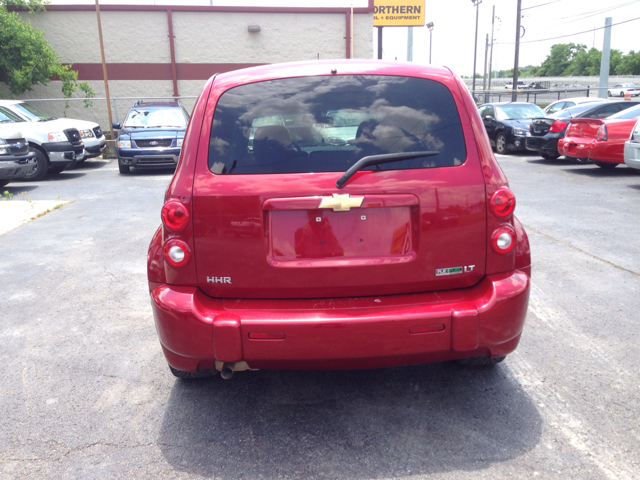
(608, 110)
(633, 112)
(489, 111)
(326, 124)
(574, 111)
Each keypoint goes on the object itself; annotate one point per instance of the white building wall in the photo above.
(128, 36)
(224, 38)
(199, 37)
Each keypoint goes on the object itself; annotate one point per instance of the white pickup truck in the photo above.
(56, 145)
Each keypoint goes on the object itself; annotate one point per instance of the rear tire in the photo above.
(607, 165)
(481, 361)
(191, 375)
(41, 167)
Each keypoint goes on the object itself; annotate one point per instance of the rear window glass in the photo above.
(326, 124)
(573, 111)
(631, 112)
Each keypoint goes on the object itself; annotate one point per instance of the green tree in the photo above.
(584, 63)
(26, 58)
(629, 64)
(561, 56)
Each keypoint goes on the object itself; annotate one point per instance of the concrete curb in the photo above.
(14, 213)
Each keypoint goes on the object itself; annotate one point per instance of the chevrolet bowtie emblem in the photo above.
(341, 203)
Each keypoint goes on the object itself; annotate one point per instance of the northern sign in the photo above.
(398, 13)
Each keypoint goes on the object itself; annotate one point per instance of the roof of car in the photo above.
(506, 103)
(581, 99)
(328, 67)
(140, 103)
(4, 103)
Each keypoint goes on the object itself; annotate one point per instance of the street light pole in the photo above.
(430, 27)
(476, 3)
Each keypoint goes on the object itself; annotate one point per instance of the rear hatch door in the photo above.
(270, 222)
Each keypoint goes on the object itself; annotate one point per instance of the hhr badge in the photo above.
(454, 270)
(219, 280)
(340, 203)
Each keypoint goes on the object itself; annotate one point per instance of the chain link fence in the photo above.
(542, 98)
(95, 109)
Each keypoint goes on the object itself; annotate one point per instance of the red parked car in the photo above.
(600, 140)
(279, 249)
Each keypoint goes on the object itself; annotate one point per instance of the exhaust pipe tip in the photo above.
(227, 371)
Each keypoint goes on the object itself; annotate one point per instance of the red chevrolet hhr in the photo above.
(337, 214)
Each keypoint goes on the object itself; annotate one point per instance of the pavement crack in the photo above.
(637, 274)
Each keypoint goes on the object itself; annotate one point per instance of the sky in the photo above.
(455, 22)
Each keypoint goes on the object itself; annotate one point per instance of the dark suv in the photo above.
(151, 135)
(395, 245)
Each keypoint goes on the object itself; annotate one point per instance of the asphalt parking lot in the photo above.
(85, 391)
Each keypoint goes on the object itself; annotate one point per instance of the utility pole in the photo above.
(409, 44)
(514, 92)
(104, 68)
(603, 84)
(484, 75)
(493, 17)
(379, 43)
(476, 3)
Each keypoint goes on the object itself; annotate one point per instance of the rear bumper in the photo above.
(547, 144)
(576, 147)
(196, 330)
(632, 154)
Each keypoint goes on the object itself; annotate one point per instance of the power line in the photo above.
(570, 34)
(596, 12)
(541, 5)
(585, 15)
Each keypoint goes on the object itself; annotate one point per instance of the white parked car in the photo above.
(56, 145)
(90, 132)
(568, 103)
(521, 85)
(632, 148)
(622, 88)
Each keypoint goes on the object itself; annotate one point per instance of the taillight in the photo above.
(558, 126)
(601, 136)
(176, 252)
(503, 203)
(175, 216)
(503, 239)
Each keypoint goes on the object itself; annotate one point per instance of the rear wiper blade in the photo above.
(377, 159)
